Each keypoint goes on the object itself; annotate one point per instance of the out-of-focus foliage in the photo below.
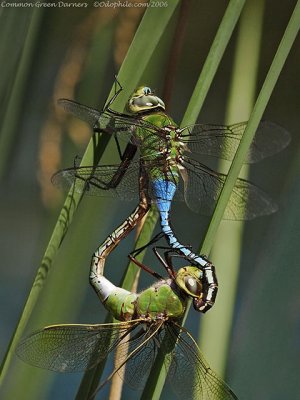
(74, 53)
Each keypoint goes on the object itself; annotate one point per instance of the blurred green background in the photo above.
(74, 53)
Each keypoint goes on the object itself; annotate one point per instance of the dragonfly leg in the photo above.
(209, 278)
(167, 262)
(126, 158)
(117, 92)
(136, 252)
(94, 181)
(144, 267)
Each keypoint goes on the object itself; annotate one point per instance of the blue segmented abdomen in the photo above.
(164, 192)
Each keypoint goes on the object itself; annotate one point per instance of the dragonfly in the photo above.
(160, 165)
(148, 322)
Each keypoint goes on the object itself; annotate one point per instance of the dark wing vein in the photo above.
(204, 186)
(71, 348)
(85, 113)
(223, 140)
(96, 180)
(142, 348)
(122, 125)
(189, 373)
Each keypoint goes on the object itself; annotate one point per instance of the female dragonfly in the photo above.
(149, 322)
(165, 169)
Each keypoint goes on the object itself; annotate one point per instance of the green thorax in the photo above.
(161, 300)
(161, 149)
(159, 119)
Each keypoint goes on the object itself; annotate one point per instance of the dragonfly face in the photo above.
(143, 99)
(189, 280)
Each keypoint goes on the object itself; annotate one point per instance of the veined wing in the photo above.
(85, 113)
(72, 348)
(111, 180)
(121, 125)
(203, 188)
(201, 191)
(99, 180)
(222, 140)
(138, 354)
(189, 373)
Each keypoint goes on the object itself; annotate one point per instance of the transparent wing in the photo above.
(85, 113)
(189, 373)
(200, 188)
(203, 139)
(72, 348)
(110, 180)
(203, 188)
(140, 352)
(121, 125)
(99, 180)
(223, 140)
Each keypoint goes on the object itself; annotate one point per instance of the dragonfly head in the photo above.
(143, 99)
(189, 281)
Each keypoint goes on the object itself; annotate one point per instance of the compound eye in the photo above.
(193, 285)
(147, 91)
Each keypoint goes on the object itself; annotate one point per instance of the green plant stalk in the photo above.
(256, 115)
(150, 30)
(213, 60)
(216, 326)
(12, 24)
(16, 97)
(260, 105)
(134, 61)
(157, 376)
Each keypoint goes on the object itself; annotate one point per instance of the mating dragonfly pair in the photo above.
(159, 165)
